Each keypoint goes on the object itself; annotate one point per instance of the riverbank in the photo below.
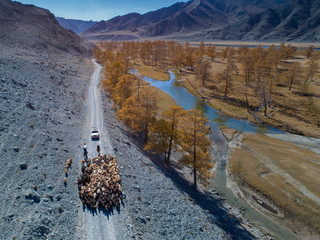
(295, 111)
(161, 203)
(221, 173)
(152, 72)
(229, 107)
(288, 116)
(270, 179)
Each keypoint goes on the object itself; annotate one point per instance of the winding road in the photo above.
(98, 225)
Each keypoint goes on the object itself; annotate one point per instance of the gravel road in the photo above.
(98, 225)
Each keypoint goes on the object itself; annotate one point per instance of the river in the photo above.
(188, 101)
(216, 119)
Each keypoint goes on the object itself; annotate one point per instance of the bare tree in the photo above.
(226, 76)
(202, 71)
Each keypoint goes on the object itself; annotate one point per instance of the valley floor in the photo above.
(279, 179)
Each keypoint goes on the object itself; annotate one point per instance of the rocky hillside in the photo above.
(34, 28)
(181, 18)
(298, 20)
(78, 26)
(43, 74)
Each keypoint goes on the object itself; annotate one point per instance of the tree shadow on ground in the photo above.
(217, 213)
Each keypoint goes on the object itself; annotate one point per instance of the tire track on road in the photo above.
(97, 224)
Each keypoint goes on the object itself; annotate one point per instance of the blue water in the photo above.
(216, 119)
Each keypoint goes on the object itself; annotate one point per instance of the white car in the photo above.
(94, 134)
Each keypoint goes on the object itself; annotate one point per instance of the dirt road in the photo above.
(98, 225)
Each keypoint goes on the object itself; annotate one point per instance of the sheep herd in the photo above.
(99, 183)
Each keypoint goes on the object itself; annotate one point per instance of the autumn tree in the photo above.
(202, 71)
(124, 89)
(139, 114)
(124, 56)
(258, 67)
(164, 133)
(292, 75)
(309, 51)
(98, 55)
(190, 59)
(140, 84)
(149, 104)
(202, 48)
(312, 69)
(262, 94)
(225, 52)
(130, 114)
(172, 49)
(270, 59)
(198, 55)
(246, 70)
(281, 53)
(195, 145)
(134, 50)
(159, 53)
(226, 76)
(290, 51)
(159, 134)
(145, 51)
(232, 62)
(211, 51)
(178, 60)
(116, 70)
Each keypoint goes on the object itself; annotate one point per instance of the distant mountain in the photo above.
(78, 26)
(33, 28)
(298, 20)
(180, 19)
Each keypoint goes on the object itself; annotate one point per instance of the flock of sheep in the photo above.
(99, 183)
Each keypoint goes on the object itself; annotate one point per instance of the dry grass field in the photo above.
(287, 175)
(289, 109)
(165, 101)
(153, 72)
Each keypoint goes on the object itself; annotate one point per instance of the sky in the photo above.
(98, 9)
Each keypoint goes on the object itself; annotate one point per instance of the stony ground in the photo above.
(41, 96)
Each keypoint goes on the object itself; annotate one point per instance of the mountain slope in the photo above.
(37, 28)
(130, 22)
(43, 77)
(180, 18)
(298, 20)
(78, 26)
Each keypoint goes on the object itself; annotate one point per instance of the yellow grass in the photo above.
(155, 73)
(263, 163)
(289, 109)
(165, 100)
